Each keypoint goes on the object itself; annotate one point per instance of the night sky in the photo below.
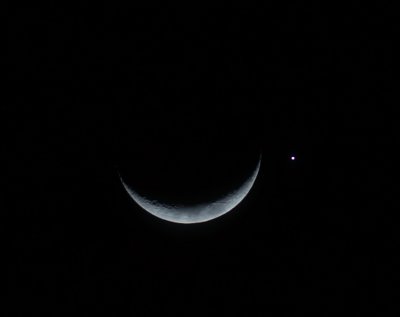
(183, 102)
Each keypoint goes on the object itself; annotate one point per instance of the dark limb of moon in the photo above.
(198, 212)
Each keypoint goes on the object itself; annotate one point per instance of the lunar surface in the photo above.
(202, 212)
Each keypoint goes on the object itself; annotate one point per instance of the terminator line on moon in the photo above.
(199, 212)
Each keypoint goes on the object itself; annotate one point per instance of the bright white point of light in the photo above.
(292, 158)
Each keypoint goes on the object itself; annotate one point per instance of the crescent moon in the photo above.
(199, 212)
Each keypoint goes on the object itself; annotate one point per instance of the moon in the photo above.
(196, 213)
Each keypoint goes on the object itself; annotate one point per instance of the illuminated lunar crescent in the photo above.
(199, 212)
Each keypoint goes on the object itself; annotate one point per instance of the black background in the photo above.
(95, 89)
